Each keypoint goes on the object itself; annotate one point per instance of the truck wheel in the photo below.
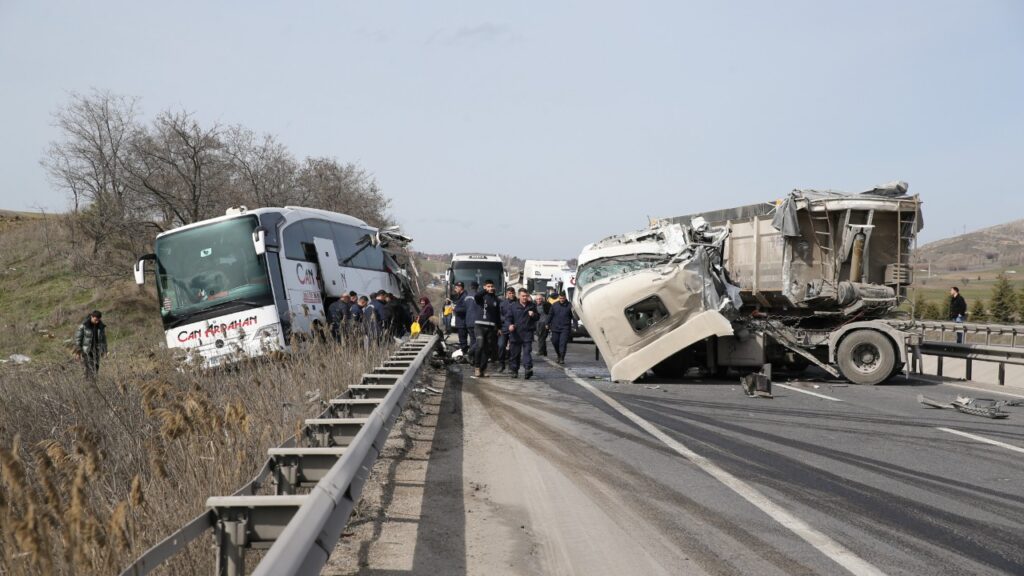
(866, 357)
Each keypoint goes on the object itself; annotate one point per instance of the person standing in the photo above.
(338, 314)
(561, 323)
(355, 312)
(486, 326)
(424, 318)
(459, 299)
(543, 314)
(957, 311)
(472, 315)
(380, 308)
(91, 343)
(522, 322)
(503, 340)
(370, 321)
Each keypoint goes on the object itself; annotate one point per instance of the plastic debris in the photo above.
(19, 359)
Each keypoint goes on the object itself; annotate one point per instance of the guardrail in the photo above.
(300, 530)
(988, 330)
(971, 351)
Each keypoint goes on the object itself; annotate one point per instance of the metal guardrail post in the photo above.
(939, 370)
(231, 546)
(1002, 373)
(967, 371)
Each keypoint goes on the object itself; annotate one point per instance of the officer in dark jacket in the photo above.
(562, 323)
(543, 314)
(503, 341)
(339, 314)
(380, 307)
(486, 326)
(957, 311)
(459, 310)
(91, 342)
(521, 317)
(472, 315)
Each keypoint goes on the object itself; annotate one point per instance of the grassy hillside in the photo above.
(42, 299)
(996, 247)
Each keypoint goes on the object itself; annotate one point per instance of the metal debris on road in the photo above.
(984, 407)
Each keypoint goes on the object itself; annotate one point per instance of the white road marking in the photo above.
(983, 390)
(983, 439)
(795, 389)
(827, 546)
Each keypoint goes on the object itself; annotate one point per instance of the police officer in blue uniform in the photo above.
(487, 326)
(472, 315)
(561, 323)
(503, 340)
(521, 317)
(459, 309)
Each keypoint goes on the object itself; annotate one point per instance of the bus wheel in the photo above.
(866, 357)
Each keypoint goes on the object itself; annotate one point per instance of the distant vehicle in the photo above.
(468, 268)
(807, 280)
(244, 283)
(538, 275)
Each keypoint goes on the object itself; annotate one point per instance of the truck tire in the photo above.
(866, 357)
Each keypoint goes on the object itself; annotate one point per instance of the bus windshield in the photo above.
(479, 272)
(208, 267)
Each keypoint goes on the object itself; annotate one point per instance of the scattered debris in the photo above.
(757, 384)
(985, 407)
(655, 387)
(427, 390)
(18, 359)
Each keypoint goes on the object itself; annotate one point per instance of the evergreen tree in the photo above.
(978, 312)
(1003, 308)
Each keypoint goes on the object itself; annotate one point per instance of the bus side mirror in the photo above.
(259, 240)
(140, 268)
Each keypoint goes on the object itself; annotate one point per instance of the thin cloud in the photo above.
(483, 33)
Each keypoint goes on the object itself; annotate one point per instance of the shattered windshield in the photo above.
(204, 267)
(610, 267)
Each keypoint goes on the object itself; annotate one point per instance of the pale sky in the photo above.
(534, 128)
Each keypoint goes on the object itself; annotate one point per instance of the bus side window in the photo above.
(345, 238)
(294, 236)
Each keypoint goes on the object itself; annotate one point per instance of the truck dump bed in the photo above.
(824, 256)
(821, 251)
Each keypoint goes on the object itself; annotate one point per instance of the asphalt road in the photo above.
(860, 479)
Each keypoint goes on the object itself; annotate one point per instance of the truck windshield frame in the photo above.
(479, 272)
(615, 266)
(210, 270)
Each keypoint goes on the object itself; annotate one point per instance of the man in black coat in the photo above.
(503, 340)
(521, 317)
(543, 313)
(487, 325)
(459, 311)
(91, 343)
(562, 323)
(957, 311)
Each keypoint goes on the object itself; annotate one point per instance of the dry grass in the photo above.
(91, 475)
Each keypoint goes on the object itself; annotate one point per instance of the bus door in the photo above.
(332, 277)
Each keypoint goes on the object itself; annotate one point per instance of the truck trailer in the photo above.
(812, 279)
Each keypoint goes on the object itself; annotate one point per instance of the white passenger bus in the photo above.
(469, 268)
(244, 283)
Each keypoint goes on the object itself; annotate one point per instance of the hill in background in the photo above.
(995, 247)
(42, 298)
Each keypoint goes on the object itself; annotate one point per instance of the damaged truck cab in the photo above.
(811, 279)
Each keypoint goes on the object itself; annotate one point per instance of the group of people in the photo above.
(377, 316)
(490, 327)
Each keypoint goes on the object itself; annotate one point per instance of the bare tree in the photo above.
(263, 170)
(324, 183)
(89, 164)
(181, 169)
